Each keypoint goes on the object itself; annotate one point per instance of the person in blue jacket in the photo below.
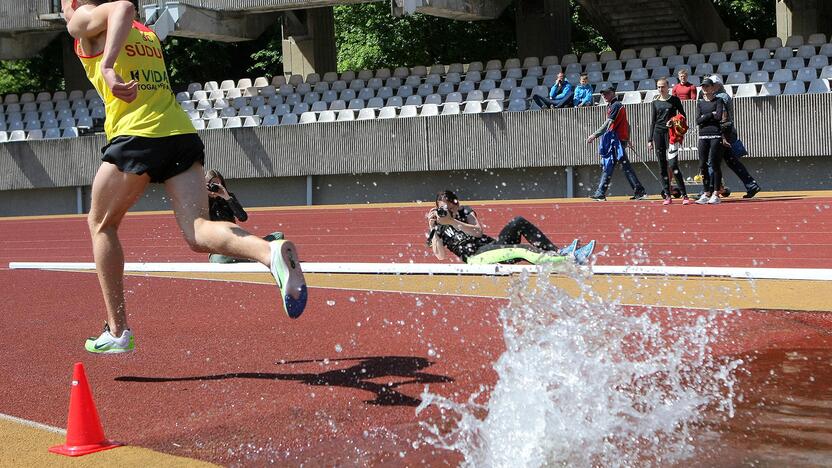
(559, 96)
(583, 93)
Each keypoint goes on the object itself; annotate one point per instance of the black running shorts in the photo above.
(161, 158)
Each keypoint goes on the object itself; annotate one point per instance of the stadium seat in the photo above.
(511, 63)
(639, 74)
(496, 93)
(826, 50)
(472, 107)
(251, 121)
(433, 99)
(374, 83)
(326, 116)
(303, 89)
(627, 54)
(771, 65)
(493, 106)
(794, 87)
(271, 120)
(517, 105)
(210, 113)
(320, 106)
(794, 41)
(67, 122)
(289, 119)
(473, 76)
(717, 58)
(590, 68)
(261, 82)
(782, 76)
(749, 66)
(751, 44)
(826, 73)
(773, 43)
(758, 77)
(547, 61)
(59, 96)
(433, 80)
(30, 97)
(453, 97)
(818, 86)
(383, 73)
(16, 125)
(347, 115)
(617, 76)
(805, 51)
(282, 109)
(465, 87)
(400, 73)
(366, 114)
(424, 90)
(739, 56)
(245, 111)
(687, 50)
(347, 95)
(458, 68)
(486, 85)
(633, 64)
(355, 104)
(515, 73)
(667, 51)
(703, 69)
(595, 77)
(517, 93)
(228, 112)
(300, 108)
(735, 78)
(32, 125)
(414, 100)
(445, 89)
(451, 108)
(214, 123)
(408, 111)
(675, 61)
(4, 137)
(695, 60)
(746, 90)
(394, 101)
(404, 91)
(347, 77)
(795, 63)
(308, 117)
(783, 53)
(429, 110)
(475, 67)
(610, 66)
(51, 134)
(817, 39)
(375, 103)
(761, 55)
(70, 132)
(244, 83)
(730, 46)
(17, 135)
(818, 61)
(660, 72)
(567, 59)
(646, 85)
(650, 96)
(709, 48)
(647, 52)
(631, 97)
(387, 113)
(654, 62)
(453, 77)
(625, 86)
(475, 95)
(12, 98)
(419, 70)
(213, 85)
(34, 135)
(725, 68)
(807, 74)
(364, 75)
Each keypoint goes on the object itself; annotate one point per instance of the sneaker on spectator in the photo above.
(639, 196)
(686, 201)
(703, 200)
(752, 191)
(597, 197)
(714, 200)
(667, 201)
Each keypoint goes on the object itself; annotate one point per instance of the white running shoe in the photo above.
(285, 267)
(714, 200)
(106, 343)
(703, 200)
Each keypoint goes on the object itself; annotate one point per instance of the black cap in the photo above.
(707, 82)
(606, 87)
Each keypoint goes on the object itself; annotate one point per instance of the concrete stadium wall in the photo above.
(503, 155)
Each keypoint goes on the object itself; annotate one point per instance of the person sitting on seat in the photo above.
(224, 206)
(560, 95)
(583, 93)
(455, 228)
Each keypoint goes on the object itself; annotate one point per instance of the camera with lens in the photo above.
(213, 188)
(442, 211)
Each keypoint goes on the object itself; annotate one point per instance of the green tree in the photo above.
(748, 19)
(367, 36)
(41, 73)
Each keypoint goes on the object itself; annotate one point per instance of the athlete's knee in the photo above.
(100, 224)
(197, 237)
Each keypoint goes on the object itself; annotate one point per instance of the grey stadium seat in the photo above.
(414, 100)
(472, 107)
(795, 87)
(451, 108)
(366, 114)
(408, 111)
(818, 86)
(307, 117)
(429, 110)
(327, 116)
(746, 90)
(289, 119)
(759, 77)
(387, 113)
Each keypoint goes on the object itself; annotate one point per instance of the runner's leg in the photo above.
(113, 193)
(190, 204)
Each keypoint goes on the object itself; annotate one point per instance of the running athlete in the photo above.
(151, 140)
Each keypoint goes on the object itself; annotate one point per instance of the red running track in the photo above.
(220, 375)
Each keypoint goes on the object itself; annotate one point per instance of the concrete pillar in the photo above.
(309, 41)
(803, 17)
(74, 74)
(544, 27)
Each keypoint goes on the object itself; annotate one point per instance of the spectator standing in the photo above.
(665, 107)
(732, 157)
(583, 93)
(616, 136)
(560, 95)
(710, 112)
(684, 90)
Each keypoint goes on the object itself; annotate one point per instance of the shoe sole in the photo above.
(287, 260)
(569, 249)
(91, 348)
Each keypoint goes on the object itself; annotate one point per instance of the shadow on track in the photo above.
(357, 376)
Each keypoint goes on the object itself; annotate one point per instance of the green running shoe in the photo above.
(108, 344)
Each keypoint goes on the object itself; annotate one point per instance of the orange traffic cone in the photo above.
(83, 433)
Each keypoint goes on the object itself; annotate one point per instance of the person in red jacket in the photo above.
(684, 89)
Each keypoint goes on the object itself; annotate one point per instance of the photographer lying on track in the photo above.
(455, 228)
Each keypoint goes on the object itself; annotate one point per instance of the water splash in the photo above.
(585, 383)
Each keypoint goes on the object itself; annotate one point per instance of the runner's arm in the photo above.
(89, 21)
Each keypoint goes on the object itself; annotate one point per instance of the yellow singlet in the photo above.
(155, 112)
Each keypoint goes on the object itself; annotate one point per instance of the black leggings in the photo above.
(660, 144)
(519, 226)
(710, 162)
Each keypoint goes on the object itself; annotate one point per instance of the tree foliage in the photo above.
(748, 19)
(367, 36)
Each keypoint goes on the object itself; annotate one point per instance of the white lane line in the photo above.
(36, 425)
(816, 274)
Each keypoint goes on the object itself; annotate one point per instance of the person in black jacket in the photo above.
(665, 107)
(710, 112)
(224, 206)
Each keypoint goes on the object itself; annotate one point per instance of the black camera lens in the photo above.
(213, 188)
(442, 211)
